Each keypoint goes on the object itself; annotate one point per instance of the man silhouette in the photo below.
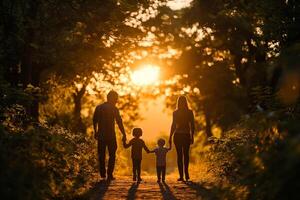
(104, 119)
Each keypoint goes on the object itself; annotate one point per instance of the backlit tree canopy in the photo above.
(237, 62)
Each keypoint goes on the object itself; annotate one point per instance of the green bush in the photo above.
(42, 162)
(259, 158)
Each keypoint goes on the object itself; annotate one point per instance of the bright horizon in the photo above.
(156, 120)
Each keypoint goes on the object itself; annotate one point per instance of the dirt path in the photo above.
(124, 188)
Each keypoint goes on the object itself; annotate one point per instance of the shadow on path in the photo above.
(132, 190)
(166, 192)
(204, 191)
(97, 192)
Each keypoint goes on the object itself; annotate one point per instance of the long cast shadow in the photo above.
(166, 192)
(96, 192)
(204, 192)
(132, 190)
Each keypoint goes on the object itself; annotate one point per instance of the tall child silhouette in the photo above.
(137, 145)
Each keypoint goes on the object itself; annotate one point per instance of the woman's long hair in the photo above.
(182, 103)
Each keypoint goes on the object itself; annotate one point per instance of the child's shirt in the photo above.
(137, 147)
(161, 154)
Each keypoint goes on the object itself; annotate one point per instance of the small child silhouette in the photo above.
(136, 152)
(161, 154)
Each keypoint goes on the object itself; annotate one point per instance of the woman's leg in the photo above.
(178, 146)
(186, 155)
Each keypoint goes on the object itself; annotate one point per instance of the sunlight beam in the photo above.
(146, 75)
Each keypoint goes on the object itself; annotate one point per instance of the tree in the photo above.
(227, 49)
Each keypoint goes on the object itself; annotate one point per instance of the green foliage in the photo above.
(41, 162)
(223, 55)
(258, 159)
(10, 96)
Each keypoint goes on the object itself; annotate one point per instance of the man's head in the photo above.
(112, 97)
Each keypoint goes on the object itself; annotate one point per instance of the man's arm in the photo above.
(95, 122)
(120, 124)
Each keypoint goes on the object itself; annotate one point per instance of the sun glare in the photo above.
(146, 75)
(179, 4)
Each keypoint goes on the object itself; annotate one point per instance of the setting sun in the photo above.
(146, 75)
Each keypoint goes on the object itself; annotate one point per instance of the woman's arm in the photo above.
(173, 127)
(192, 126)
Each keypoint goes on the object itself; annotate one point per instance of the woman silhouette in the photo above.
(182, 128)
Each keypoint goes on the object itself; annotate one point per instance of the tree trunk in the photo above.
(9, 45)
(78, 125)
(207, 120)
(30, 69)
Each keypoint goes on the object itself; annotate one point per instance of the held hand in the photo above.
(192, 139)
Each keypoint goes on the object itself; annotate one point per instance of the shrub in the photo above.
(258, 159)
(42, 162)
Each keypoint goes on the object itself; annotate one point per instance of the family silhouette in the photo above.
(182, 132)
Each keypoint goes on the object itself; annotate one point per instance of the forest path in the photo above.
(125, 188)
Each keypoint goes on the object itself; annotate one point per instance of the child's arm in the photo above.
(153, 151)
(146, 148)
(127, 145)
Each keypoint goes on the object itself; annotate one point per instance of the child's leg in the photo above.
(163, 172)
(158, 172)
(134, 169)
(138, 168)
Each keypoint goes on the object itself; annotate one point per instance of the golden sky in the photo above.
(157, 119)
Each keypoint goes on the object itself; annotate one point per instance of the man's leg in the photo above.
(101, 157)
(112, 148)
